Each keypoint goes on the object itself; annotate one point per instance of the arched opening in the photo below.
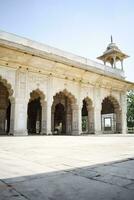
(87, 116)
(62, 113)
(5, 110)
(84, 117)
(8, 113)
(60, 118)
(107, 106)
(111, 115)
(34, 113)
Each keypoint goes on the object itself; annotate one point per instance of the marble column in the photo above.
(118, 119)
(48, 118)
(76, 120)
(18, 126)
(48, 110)
(124, 113)
(97, 119)
(97, 110)
(90, 120)
(43, 117)
(12, 116)
(2, 121)
(68, 122)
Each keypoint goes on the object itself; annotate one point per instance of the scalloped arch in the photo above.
(37, 93)
(113, 100)
(68, 94)
(89, 101)
(7, 85)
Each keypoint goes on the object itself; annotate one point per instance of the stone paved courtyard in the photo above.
(67, 167)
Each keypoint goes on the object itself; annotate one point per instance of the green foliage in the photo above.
(84, 123)
(130, 109)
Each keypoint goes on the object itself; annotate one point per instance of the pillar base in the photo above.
(98, 133)
(20, 133)
(124, 132)
(76, 132)
(43, 132)
(48, 133)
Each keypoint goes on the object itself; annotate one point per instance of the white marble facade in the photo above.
(30, 70)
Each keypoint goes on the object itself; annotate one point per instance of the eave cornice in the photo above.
(37, 49)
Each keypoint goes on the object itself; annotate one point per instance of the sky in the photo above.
(82, 27)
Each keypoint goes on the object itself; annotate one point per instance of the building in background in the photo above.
(44, 90)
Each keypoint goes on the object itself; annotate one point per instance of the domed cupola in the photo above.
(112, 55)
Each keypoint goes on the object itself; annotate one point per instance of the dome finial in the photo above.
(111, 39)
(113, 54)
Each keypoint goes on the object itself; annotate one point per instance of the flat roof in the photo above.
(38, 49)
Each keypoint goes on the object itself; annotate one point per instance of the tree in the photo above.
(130, 109)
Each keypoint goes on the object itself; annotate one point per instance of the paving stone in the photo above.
(129, 164)
(114, 180)
(8, 193)
(117, 170)
(130, 186)
(85, 173)
(67, 168)
(71, 187)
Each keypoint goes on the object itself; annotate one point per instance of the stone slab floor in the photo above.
(67, 168)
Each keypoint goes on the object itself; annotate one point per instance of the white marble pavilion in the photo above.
(44, 90)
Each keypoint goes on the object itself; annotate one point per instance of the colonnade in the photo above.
(62, 114)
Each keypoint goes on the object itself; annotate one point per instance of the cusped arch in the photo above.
(36, 94)
(6, 95)
(89, 101)
(112, 108)
(62, 118)
(114, 101)
(87, 113)
(68, 94)
(34, 111)
(7, 85)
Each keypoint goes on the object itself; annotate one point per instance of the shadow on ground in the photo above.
(107, 181)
